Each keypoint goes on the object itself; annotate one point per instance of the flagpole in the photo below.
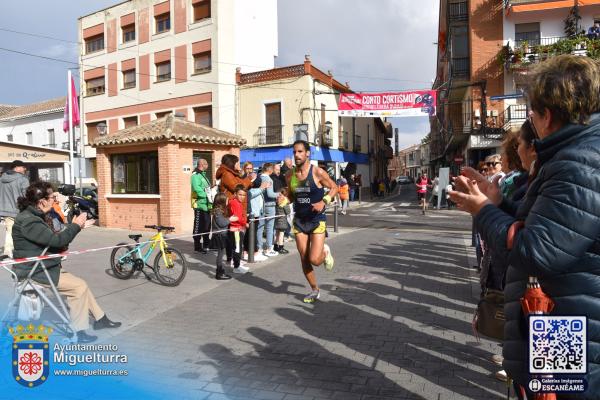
(70, 116)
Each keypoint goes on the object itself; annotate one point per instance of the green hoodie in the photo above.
(199, 183)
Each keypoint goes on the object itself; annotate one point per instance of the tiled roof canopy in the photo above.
(170, 128)
(44, 107)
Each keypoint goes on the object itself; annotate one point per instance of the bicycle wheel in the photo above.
(124, 268)
(173, 273)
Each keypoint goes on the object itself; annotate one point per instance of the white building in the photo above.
(33, 133)
(141, 59)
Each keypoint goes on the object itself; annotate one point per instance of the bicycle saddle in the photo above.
(135, 237)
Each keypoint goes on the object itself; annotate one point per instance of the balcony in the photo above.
(514, 116)
(525, 54)
(460, 68)
(269, 136)
(357, 148)
(458, 12)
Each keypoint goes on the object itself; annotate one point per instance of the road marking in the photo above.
(404, 204)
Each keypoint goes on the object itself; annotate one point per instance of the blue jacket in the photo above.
(560, 243)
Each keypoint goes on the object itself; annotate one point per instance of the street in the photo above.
(394, 320)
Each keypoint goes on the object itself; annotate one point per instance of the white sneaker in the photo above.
(497, 359)
(271, 253)
(241, 269)
(258, 257)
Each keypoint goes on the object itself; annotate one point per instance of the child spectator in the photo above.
(221, 222)
(237, 228)
(282, 210)
(381, 187)
(344, 193)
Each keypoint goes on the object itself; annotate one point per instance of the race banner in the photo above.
(415, 103)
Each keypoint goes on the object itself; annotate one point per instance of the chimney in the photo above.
(238, 75)
(307, 64)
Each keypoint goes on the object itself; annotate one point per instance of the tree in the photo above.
(572, 21)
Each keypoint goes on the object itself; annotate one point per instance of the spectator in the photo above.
(344, 194)
(594, 31)
(32, 233)
(267, 223)
(237, 228)
(283, 210)
(13, 184)
(277, 178)
(358, 188)
(221, 221)
(202, 204)
(558, 236)
(288, 165)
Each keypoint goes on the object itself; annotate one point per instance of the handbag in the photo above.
(30, 306)
(489, 316)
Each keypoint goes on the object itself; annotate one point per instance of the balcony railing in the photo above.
(514, 116)
(458, 11)
(533, 39)
(269, 135)
(524, 54)
(460, 67)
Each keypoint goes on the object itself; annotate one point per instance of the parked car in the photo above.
(403, 180)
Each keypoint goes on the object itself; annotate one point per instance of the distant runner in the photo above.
(307, 185)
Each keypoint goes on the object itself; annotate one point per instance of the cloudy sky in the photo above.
(389, 46)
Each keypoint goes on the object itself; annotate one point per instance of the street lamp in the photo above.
(101, 128)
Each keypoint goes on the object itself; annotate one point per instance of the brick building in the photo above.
(486, 49)
(144, 171)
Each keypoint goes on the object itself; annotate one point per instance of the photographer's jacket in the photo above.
(31, 235)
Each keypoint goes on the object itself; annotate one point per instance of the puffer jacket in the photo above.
(229, 180)
(559, 244)
(13, 184)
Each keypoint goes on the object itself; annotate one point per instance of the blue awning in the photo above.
(277, 154)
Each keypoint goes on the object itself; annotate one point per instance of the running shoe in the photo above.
(329, 261)
(312, 296)
(501, 376)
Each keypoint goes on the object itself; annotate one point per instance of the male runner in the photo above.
(307, 184)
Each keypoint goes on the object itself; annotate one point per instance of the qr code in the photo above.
(557, 344)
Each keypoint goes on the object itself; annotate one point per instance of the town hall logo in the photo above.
(30, 354)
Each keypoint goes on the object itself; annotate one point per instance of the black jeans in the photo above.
(201, 229)
(220, 265)
(236, 252)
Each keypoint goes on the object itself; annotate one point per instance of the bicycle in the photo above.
(169, 264)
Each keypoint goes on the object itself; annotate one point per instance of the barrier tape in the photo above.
(15, 261)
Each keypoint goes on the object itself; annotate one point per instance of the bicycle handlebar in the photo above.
(160, 227)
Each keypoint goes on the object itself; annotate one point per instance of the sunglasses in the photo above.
(492, 164)
(530, 119)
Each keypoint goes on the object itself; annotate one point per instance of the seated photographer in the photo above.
(32, 233)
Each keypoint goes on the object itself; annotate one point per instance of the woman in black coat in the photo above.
(560, 241)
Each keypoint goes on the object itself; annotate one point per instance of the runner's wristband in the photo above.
(326, 199)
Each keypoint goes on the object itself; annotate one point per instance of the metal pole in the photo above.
(359, 194)
(335, 217)
(70, 117)
(251, 240)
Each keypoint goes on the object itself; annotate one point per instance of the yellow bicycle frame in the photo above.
(160, 239)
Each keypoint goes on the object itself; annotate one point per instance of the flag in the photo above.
(74, 114)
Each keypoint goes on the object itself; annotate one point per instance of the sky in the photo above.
(375, 45)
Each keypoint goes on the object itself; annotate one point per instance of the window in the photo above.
(129, 79)
(201, 10)
(94, 44)
(135, 173)
(357, 143)
(203, 115)
(160, 115)
(51, 138)
(94, 86)
(163, 71)
(529, 33)
(163, 23)
(346, 142)
(130, 122)
(202, 62)
(29, 137)
(208, 156)
(9, 137)
(128, 33)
